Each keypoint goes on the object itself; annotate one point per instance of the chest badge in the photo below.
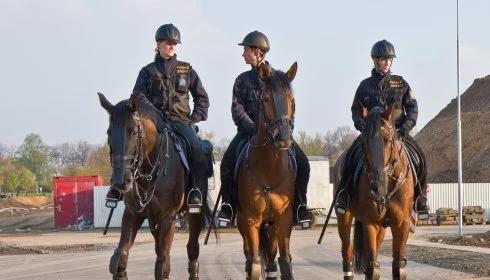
(395, 84)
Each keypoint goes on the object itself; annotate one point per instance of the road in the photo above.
(218, 261)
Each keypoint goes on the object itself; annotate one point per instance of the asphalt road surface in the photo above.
(218, 261)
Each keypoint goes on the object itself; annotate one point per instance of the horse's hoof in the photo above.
(115, 259)
(256, 271)
(376, 274)
(120, 276)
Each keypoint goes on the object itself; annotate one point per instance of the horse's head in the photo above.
(277, 105)
(378, 145)
(131, 138)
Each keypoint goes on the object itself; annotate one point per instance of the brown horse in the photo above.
(266, 180)
(147, 168)
(383, 197)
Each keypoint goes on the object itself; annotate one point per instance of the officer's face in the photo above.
(383, 64)
(166, 48)
(251, 55)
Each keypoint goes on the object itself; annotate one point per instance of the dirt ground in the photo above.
(464, 261)
(26, 213)
(477, 240)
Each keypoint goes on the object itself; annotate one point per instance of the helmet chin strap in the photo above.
(378, 69)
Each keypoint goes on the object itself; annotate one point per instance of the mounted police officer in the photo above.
(383, 89)
(245, 112)
(166, 83)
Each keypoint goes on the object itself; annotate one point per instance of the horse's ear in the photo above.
(388, 113)
(363, 111)
(105, 103)
(133, 103)
(291, 73)
(264, 71)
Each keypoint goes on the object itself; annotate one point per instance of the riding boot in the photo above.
(113, 197)
(421, 203)
(343, 198)
(301, 210)
(227, 168)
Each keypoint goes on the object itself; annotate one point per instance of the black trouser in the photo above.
(197, 160)
(227, 170)
(414, 152)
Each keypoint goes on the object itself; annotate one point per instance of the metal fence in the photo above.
(320, 196)
(446, 195)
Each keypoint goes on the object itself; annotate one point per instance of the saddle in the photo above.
(242, 153)
(183, 149)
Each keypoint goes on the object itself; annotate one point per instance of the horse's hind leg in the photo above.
(344, 226)
(166, 230)
(195, 227)
(119, 260)
(400, 236)
(373, 271)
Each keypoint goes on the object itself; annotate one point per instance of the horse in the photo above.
(382, 197)
(146, 167)
(266, 177)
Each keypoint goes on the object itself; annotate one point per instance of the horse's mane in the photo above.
(373, 124)
(145, 109)
(278, 78)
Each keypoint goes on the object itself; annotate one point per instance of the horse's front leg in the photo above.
(344, 226)
(271, 252)
(284, 226)
(373, 271)
(249, 228)
(166, 230)
(400, 236)
(195, 227)
(130, 225)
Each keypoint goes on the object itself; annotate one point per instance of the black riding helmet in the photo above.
(256, 39)
(168, 32)
(383, 49)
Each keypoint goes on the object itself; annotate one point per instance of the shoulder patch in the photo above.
(183, 68)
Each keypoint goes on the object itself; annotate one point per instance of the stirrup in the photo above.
(194, 208)
(111, 202)
(306, 223)
(223, 222)
(339, 207)
(422, 214)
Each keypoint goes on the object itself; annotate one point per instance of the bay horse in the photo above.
(266, 180)
(147, 169)
(382, 197)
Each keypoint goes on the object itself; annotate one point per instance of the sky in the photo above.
(56, 55)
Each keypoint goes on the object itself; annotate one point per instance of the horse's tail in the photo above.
(263, 241)
(359, 260)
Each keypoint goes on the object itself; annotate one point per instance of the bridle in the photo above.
(389, 171)
(134, 162)
(281, 118)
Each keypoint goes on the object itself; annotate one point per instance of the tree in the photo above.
(312, 146)
(34, 155)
